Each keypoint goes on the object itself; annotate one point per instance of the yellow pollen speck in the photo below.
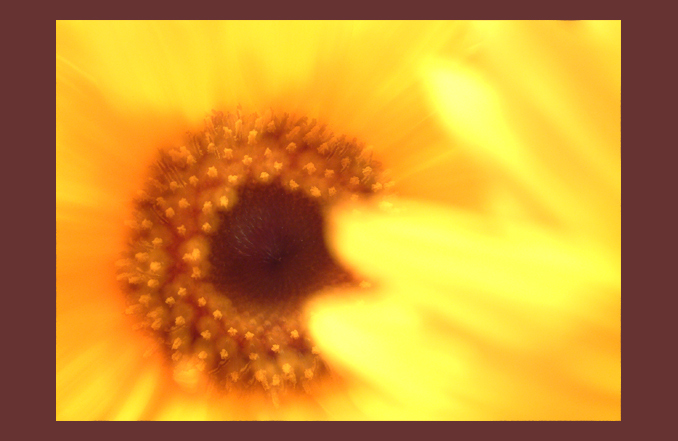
(277, 166)
(308, 373)
(223, 354)
(345, 163)
(206, 227)
(156, 242)
(377, 186)
(310, 168)
(260, 375)
(232, 332)
(249, 336)
(294, 334)
(235, 376)
(212, 172)
(329, 173)
(267, 153)
(176, 343)
(193, 180)
(367, 171)
(141, 257)
(153, 283)
(202, 355)
(291, 147)
(202, 301)
(264, 176)
(180, 321)
(183, 203)
(232, 179)
(190, 160)
(211, 147)
(146, 224)
(155, 266)
(145, 299)
(315, 191)
(174, 186)
(275, 348)
(207, 207)
(169, 212)
(181, 292)
(323, 148)
(206, 335)
(254, 356)
(247, 160)
(181, 230)
(196, 273)
(176, 155)
(157, 323)
(275, 380)
(354, 180)
(170, 301)
(223, 201)
(332, 191)
(286, 368)
(228, 153)
(293, 185)
(252, 137)
(217, 315)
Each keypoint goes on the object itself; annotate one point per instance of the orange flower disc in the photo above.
(228, 242)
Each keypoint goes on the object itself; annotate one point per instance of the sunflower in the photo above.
(499, 273)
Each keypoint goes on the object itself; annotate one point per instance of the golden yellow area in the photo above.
(497, 275)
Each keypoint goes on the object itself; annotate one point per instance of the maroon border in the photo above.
(640, 263)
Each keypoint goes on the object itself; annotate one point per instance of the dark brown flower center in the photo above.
(269, 251)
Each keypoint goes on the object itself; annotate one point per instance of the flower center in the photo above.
(227, 242)
(269, 252)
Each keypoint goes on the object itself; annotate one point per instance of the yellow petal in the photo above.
(540, 108)
(488, 319)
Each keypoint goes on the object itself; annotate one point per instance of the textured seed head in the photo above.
(227, 244)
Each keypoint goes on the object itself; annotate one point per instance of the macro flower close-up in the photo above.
(334, 220)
